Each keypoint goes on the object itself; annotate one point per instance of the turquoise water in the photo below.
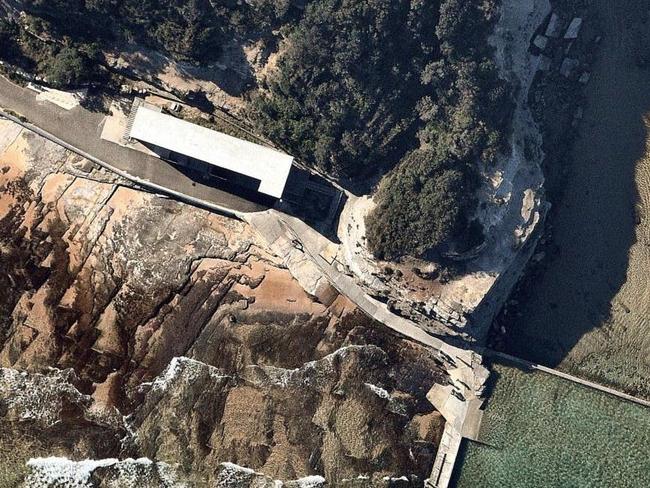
(542, 431)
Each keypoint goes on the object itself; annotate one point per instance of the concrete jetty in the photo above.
(459, 402)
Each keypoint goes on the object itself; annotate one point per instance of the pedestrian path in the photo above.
(301, 247)
(79, 131)
(459, 402)
(566, 376)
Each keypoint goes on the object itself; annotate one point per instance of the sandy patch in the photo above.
(9, 131)
(115, 124)
(277, 292)
(352, 233)
(30, 220)
(14, 163)
(341, 306)
(239, 426)
(124, 200)
(7, 202)
(106, 394)
(285, 453)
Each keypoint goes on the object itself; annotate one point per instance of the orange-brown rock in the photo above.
(180, 320)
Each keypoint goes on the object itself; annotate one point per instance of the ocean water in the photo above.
(543, 431)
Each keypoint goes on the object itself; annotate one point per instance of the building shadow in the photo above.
(314, 200)
(199, 176)
(307, 196)
(593, 219)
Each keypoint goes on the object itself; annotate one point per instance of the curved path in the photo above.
(78, 130)
(279, 230)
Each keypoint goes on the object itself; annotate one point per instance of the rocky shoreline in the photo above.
(175, 320)
(118, 284)
(461, 298)
(587, 311)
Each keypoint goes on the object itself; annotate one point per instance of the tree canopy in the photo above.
(346, 85)
(358, 80)
(188, 30)
(421, 204)
(404, 89)
(428, 200)
(67, 68)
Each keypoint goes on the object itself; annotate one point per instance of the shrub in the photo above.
(8, 34)
(68, 68)
(188, 30)
(358, 86)
(346, 86)
(420, 205)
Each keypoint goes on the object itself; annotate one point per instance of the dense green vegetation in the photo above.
(420, 204)
(361, 88)
(189, 30)
(70, 67)
(348, 81)
(359, 79)
(59, 39)
(62, 64)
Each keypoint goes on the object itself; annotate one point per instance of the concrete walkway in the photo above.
(566, 376)
(443, 466)
(279, 230)
(300, 246)
(459, 402)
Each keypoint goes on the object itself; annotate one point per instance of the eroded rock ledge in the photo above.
(132, 305)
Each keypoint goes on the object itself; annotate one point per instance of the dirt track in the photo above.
(589, 313)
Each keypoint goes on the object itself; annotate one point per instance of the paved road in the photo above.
(464, 366)
(81, 129)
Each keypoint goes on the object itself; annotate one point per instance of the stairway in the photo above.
(129, 123)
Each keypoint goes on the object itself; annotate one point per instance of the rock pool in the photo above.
(543, 431)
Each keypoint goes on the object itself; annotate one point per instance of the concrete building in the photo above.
(239, 163)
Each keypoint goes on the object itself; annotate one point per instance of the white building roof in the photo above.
(269, 166)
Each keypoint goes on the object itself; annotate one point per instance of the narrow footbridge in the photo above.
(560, 374)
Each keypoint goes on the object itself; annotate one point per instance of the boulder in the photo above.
(574, 28)
(554, 26)
(540, 42)
(544, 63)
(569, 65)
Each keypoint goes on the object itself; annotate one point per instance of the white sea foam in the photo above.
(128, 473)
